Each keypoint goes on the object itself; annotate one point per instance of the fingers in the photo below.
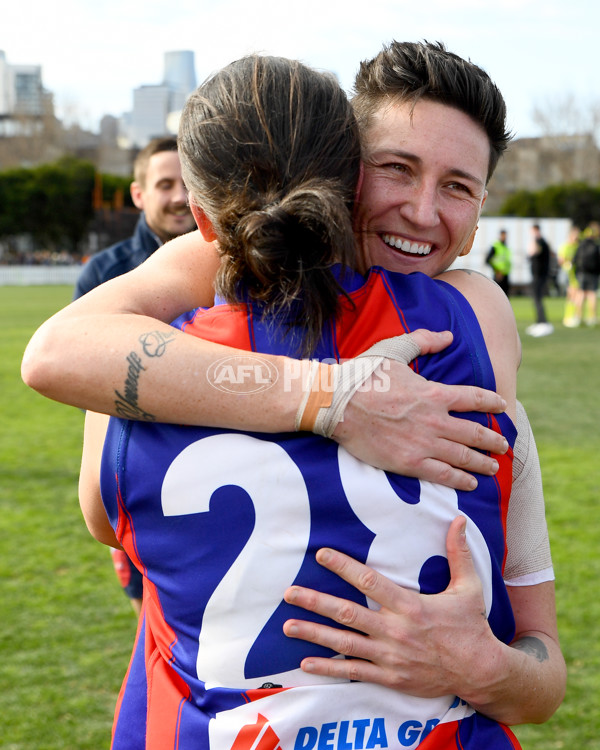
(344, 669)
(463, 432)
(369, 582)
(463, 575)
(457, 548)
(472, 398)
(347, 642)
(373, 585)
(449, 456)
(431, 342)
(440, 472)
(339, 610)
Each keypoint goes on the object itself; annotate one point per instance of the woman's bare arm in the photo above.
(112, 351)
(90, 499)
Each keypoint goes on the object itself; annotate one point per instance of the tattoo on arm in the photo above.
(533, 646)
(154, 344)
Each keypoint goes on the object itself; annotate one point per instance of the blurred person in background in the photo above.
(499, 258)
(586, 263)
(161, 196)
(565, 257)
(159, 193)
(538, 253)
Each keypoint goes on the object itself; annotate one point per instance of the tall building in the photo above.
(154, 105)
(30, 96)
(180, 76)
(7, 87)
(151, 107)
(25, 105)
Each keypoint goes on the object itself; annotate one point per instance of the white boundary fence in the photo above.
(38, 275)
(554, 230)
(518, 233)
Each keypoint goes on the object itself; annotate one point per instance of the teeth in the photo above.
(407, 247)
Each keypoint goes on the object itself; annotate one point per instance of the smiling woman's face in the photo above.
(423, 187)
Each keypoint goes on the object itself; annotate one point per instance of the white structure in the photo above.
(7, 87)
(151, 107)
(518, 233)
(23, 98)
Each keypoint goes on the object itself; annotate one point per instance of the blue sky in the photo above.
(94, 54)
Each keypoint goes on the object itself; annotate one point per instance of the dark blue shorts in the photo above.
(588, 282)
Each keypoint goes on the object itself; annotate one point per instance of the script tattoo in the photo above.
(153, 344)
(532, 645)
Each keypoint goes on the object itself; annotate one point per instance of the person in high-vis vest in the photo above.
(499, 258)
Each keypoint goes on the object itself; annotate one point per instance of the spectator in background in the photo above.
(499, 258)
(565, 257)
(586, 263)
(158, 191)
(160, 194)
(538, 253)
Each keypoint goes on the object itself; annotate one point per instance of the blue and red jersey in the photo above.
(221, 522)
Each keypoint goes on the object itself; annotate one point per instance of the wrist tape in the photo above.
(329, 388)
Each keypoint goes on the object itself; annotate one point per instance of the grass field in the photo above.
(66, 628)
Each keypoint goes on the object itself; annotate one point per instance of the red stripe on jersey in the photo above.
(443, 737)
(447, 736)
(257, 693)
(125, 532)
(375, 316)
(167, 691)
(503, 479)
(222, 326)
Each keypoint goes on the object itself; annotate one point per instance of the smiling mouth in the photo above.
(412, 248)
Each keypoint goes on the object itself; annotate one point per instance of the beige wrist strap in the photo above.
(329, 388)
(318, 395)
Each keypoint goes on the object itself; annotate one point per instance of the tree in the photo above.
(571, 129)
(52, 202)
(577, 201)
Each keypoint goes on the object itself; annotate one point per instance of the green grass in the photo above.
(66, 628)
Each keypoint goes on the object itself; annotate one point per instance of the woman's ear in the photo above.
(204, 223)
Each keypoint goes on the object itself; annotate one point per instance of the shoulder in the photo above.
(489, 302)
(497, 321)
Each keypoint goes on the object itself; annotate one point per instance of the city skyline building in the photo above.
(7, 87)
(156, 106)
(30, 96)
(25, 105)
(180, 76)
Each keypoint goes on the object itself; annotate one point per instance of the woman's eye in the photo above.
(397, 168)
(459, 187)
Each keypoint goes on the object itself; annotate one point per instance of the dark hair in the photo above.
(270, 151)
(156, 146)
(410, 71)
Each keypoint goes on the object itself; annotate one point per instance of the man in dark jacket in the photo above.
(539, 258)
(158, 191)
(160, 194)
